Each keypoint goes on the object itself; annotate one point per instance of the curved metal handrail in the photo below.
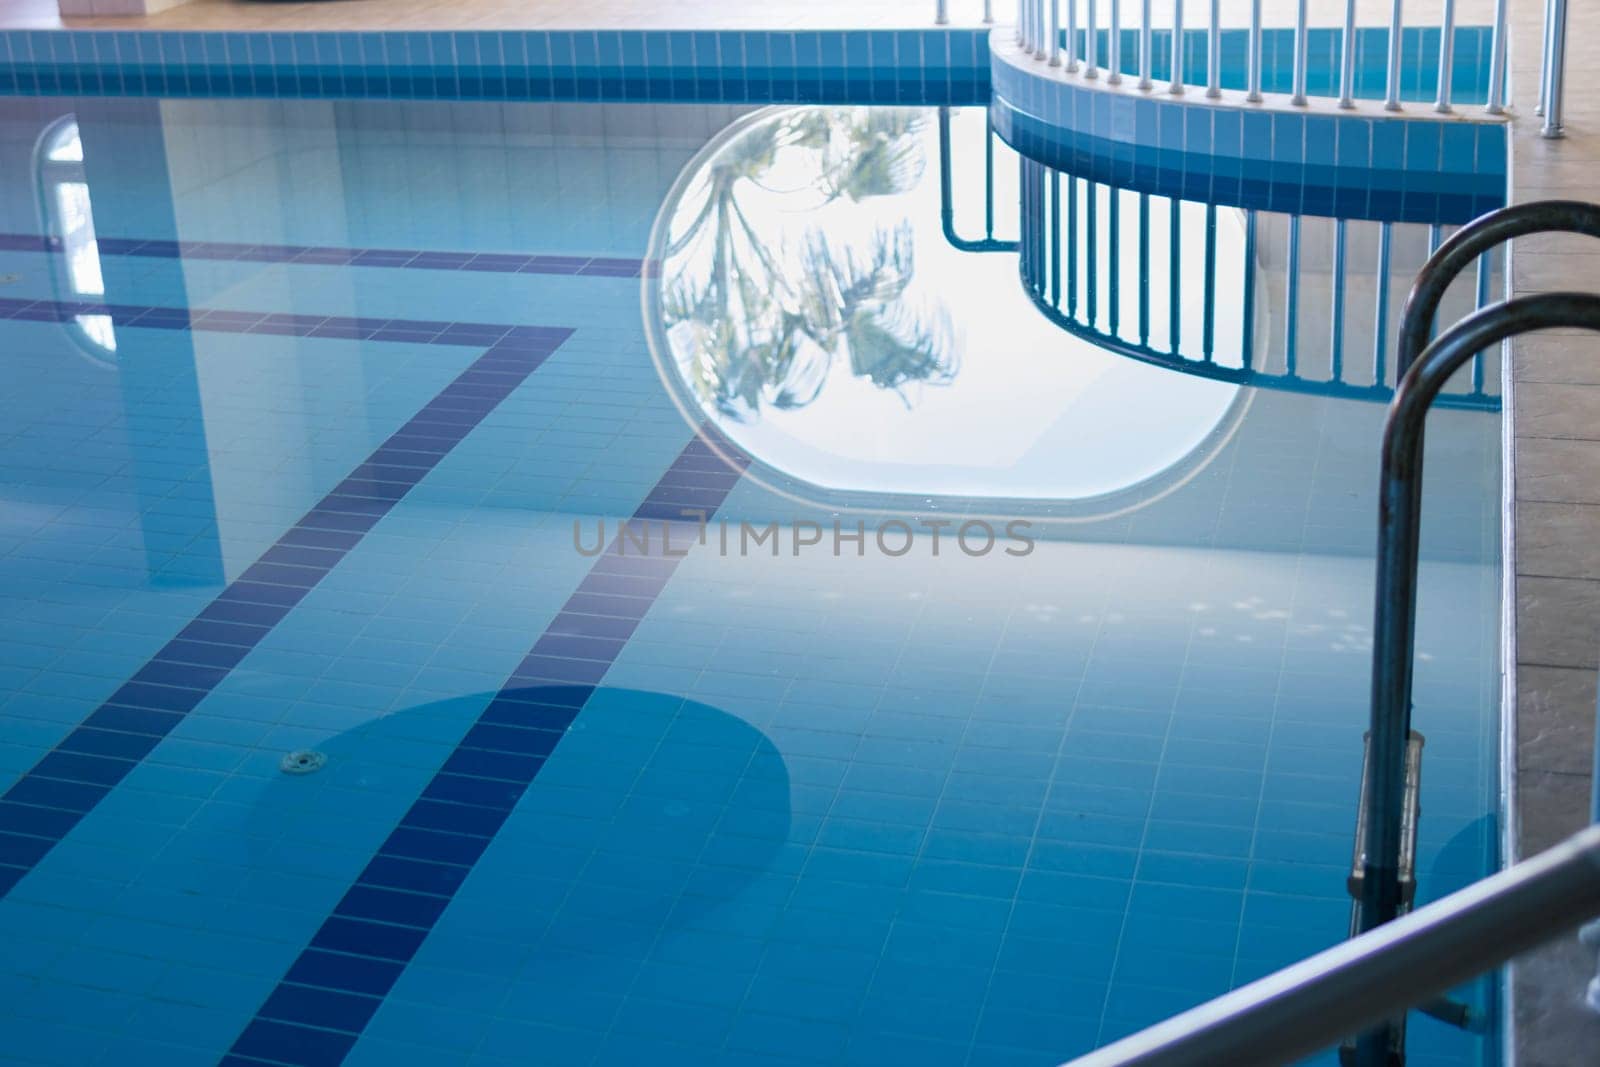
(1481, 235)
(1394, 614)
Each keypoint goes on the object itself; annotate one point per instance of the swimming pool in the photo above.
(576, 583)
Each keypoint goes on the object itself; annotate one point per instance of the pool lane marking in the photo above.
(329, 256)
(43, 806)
(318, 1010)
(223, 320)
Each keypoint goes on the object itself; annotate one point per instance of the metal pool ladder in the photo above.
(1383, 877)
(1398, 959)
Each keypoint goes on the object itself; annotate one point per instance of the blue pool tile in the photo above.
(281, 1042)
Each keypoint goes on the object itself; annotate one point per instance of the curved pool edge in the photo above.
(1319, 160)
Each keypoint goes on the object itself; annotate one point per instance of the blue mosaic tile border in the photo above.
(332, 990)
(923, 66)
(51, 798)
(1353, 165)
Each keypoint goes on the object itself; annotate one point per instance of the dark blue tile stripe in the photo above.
(45, 804)
(408, 258)
(326, 999)
(216, 320)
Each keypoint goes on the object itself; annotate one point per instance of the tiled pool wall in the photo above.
(919, 65)
(866, 67)
(1384, 169)
(1354, 164)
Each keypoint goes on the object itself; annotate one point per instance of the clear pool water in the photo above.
(1006, 697)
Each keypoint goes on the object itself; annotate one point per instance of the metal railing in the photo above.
(1312, 1004)
(941, 12)
(1079, 238)
(1177, 51)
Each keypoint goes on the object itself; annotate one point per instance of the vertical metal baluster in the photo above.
(1072, 35)
(1055, 239)
(1144, 269)
(1039, 211)
(988, 12)
(1091, 43)
(1113, 257)
(1214, 51)
(1485, 266)
(1302, 35)
(941, 13)
(1144, 44)
(1336, 334)
(1391, 97)
(1114, 45)
(1380, 324)
(1497, 62)
(1247, 339)
(1025, 211)
(1091, 252)
(1030, 221)
(988, 179)
(1435, 236)
(1208, 323)
(1347, 57)
(1055, 32)
(1177, 47)
(1022, 18)
(1447, 56)
(1544, 54)
(1291, 320)
(1555, 74)
(1253, 91)
(1174, 274)
(1072, 247)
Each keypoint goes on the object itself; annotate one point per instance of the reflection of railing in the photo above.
(1168, 52)
(1075, 265)
(947, 213)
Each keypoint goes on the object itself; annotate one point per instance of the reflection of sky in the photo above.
(1033, 412)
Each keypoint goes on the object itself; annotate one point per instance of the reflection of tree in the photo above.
(754, 322)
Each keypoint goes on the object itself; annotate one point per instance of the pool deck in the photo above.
(381, 15)
(1556, 524)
